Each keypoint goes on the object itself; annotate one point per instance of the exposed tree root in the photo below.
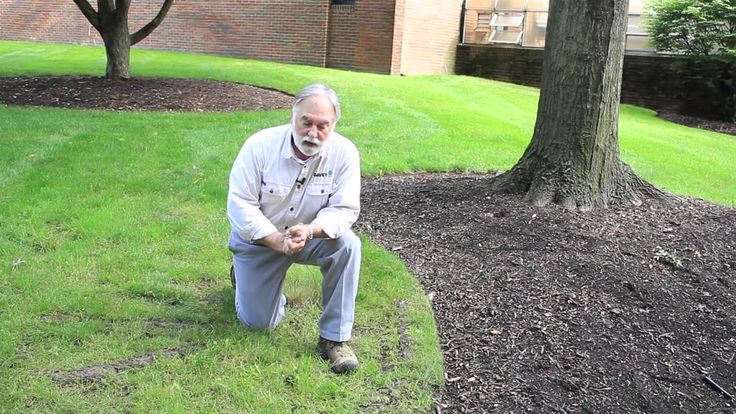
(544, 185)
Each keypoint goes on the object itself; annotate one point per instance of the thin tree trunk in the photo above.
(111, 21)
(573, 158)
(732, 84)
(117, 48)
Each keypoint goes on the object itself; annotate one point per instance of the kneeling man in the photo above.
(294, 194)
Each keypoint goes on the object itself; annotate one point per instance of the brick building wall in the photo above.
(398, 36)
(431, 36)
(662, 83)
(362, 36)
(37, 20)
(342, 36)
(293, 31)
(374, 47)
(382, 36)
(506, 64)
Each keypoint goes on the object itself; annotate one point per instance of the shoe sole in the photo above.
(345, 368)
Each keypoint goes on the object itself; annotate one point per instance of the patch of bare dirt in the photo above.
(548, 310)
(99, 372)
(140, 94)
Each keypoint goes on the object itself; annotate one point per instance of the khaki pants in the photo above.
(260, 274)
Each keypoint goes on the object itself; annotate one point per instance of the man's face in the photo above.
(313, 124)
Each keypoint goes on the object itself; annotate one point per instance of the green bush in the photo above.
(700, 29)
(694, 27)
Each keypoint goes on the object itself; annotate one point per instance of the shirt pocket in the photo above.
(272, 192)
(319, 193)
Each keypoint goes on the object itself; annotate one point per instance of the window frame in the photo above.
(497, 28)
(638, 33)
(489, 33)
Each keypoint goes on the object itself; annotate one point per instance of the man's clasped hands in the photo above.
(291, 241)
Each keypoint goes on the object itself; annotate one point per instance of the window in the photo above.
(636, 25)
(535, 29)
(640, 43)
(507, 19)
(341, 2)
(524, 23)
(636, 33)
(484, 20)
(636, 6)
(506, 27)
(538, 5)
(511, 5)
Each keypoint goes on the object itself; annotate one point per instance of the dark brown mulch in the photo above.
(140, 94)
(547, 310)
(695, 122)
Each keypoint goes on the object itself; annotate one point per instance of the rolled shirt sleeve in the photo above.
(343, 207)
(243, 205)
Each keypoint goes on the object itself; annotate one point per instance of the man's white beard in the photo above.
(308, 150)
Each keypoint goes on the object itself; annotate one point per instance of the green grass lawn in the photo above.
(113, 236)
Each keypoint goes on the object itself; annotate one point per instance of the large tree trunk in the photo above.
(573, 157)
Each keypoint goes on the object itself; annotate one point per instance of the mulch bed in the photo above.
(548, 310)
(139, 94)
(695, 122)
(538, 309)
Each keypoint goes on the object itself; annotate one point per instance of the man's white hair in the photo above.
(317, 89)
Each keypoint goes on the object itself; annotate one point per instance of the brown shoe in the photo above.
(340, 355)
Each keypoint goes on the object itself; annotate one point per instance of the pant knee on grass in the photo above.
(259, 321)
(347, 252)
(349, 242)
(257, 324)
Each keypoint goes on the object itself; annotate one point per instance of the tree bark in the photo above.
(573, 157)
(731, 75)
(117, 48)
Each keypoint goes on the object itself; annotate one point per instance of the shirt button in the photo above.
(323, 191)
(271, 191)
(286, 227)
(297, 187)
(291, 209)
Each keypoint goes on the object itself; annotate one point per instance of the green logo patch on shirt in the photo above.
(323, 174)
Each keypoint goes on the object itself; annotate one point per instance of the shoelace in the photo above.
(342, 350)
